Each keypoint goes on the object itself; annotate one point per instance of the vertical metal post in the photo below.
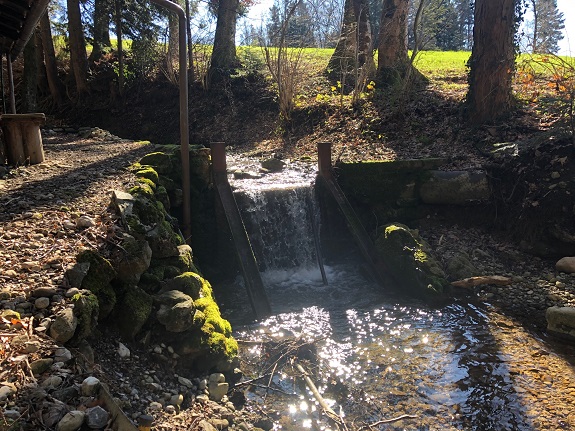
(11, 83)
(324, 158)
(184, 126)
(2, 83)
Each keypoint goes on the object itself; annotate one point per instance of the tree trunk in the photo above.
(492, 60)
(190, 46)
(29, 77)
(101, 29)
(173, 41)
(54, 82)
(118, 10)
(78, 58)
(535, 27)
(392, 60)
(354, 49)
(224, 58)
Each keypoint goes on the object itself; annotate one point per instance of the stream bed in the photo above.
(375, 356)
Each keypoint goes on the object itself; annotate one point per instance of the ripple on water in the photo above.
(457, 367)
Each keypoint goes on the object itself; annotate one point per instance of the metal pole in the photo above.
(2, 83)
(11, 83)
(184, 127)
(218, 157)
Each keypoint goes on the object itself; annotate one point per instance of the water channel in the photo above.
(375, 356)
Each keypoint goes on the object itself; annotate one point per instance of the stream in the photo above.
(375, 356)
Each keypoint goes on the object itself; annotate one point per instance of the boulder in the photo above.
(97, 280)
(410, 261)
(133, 260)
(561, 322)
(72, 421)
(86, 310)
(189, 283)
(64, 326)
(273, 164)
(161, 162)
(163, 241)
(132, 311)
(177, 311)
(459, 266)
(566, 264)
(75, 275)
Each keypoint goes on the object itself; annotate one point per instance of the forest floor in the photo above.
(42, 205)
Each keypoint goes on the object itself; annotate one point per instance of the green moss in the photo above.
(147, 182)
(142, 190)
(149, 173)
(189, 282)
(135, 226)
(161, 161)
(86, 309)
(410, 262)
(214, 321)
(163, 197)
(133, 311)
(98, 279)
(222, 345)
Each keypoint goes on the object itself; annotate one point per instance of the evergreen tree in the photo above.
(547, 25)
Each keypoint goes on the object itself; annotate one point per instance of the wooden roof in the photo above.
(18, 18)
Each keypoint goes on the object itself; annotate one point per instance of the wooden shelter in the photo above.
(22, 139)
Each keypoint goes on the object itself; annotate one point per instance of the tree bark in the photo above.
(190, 46)
(224, 58)
(101, 29)
(78, 57)
(492, 60)
(54, 84)
(354, 49)
(392, 60)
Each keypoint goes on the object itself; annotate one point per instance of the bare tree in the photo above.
(54, 83)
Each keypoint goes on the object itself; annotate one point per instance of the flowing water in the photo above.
(374, 356)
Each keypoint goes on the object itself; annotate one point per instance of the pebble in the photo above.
(41, 365)
(97, 417)
(185, 382)
(71, 421)
(123, 351)
(84, 222)
(52, 382)
(90, 386)
(155, 406)
(62, 355)
(42, 303)
(31, 346)
(6, 391)
(71, 292)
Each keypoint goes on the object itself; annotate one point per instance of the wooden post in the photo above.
(324, 158)
(218, 157)
(22, 137)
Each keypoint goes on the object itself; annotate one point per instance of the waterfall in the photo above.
(279, 225)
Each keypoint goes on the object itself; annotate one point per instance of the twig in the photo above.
(271, 378)
(275, 390)
(387, 421)
(249, 382)
(337, 419)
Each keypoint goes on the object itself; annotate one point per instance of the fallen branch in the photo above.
(387, 421)
(333, 416)
(484, 279)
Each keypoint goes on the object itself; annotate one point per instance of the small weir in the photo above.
(372, 356)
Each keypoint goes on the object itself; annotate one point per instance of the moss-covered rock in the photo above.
(132, 260)
(163, 241)
(86, 310)
(98, 279)
(214, 320)
(132, 312)
(163, 197)
(176, 265)
(189, 282)
(148, 183)
(161, 161)
(177, 311)
(149, 173)
(410, 261)
(459, 266)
